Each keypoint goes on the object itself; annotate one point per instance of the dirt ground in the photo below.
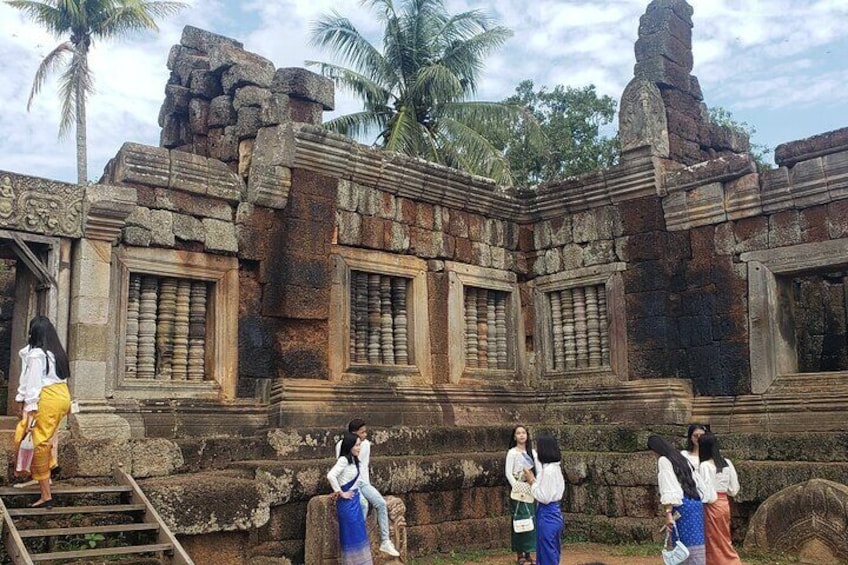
(578, 554)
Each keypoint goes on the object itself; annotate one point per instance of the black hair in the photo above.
(709, 450)
(348, 442)
(690, 445)
(528, 446)
(682, 467)
(547, 449)
(354, 425)
(42, 335)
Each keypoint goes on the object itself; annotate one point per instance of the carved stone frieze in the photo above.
(40, 206)
(642, 119)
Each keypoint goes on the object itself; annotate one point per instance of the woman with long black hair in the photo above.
(353, 537)
(521, 456)
(44, 399)
(681, 491)
(548, 487)
(720, 473)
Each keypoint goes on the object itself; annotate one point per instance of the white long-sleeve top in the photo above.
(516, 462)
(342, 473)
(670, 490)
(726, 481)
(550, 484)
(35, 375)
(364, 460)
(692, 458)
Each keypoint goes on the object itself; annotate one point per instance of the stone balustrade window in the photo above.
(177, 324)
(580, 322)
(379, 326)
(166, 328)
(379, 320)
(580, 327)
(486, 329)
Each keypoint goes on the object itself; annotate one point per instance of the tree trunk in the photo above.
(82, 154)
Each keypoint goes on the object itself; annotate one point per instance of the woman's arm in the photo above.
(733, 486)
(335, 472)
(29, 389)
(509, 466)
(671, 493)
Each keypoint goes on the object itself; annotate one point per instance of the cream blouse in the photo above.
(550, 484)
(670, 490)
(726, 481)
(516, 462)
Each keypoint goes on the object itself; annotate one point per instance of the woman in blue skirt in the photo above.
(681, 490)
(354, 547)
(547, 488)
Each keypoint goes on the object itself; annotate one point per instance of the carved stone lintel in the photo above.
(40, 206)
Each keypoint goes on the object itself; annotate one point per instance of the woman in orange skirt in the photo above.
(719, 472)
(44, 399)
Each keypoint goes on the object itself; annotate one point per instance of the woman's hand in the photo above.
(528, 476)
(346, 495)
(669, 520)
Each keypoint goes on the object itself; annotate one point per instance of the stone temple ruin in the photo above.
(232, 297)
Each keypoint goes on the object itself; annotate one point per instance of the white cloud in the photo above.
(758, 57)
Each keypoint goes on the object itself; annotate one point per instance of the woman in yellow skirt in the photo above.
(44, 399)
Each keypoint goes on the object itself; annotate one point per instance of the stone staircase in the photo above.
(91, 522)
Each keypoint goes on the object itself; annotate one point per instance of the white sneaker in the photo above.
(389, 548)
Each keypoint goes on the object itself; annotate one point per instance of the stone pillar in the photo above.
(91, 339)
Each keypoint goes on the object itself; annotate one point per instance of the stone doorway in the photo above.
(28, 269)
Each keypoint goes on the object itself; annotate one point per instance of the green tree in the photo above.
(84, 20)
(417, 91)
(759, 151)
(571, 120)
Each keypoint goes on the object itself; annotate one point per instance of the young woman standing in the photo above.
(693, 434)
(679, 492)
(43, 398)
(720, 473)
(548, 488)
(520, 457)
(353, 537)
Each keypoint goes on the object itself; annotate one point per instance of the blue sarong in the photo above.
(353, 537)
(549, 525)
(690, 526)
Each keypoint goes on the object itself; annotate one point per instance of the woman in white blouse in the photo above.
(680, 491)
(720, 473)
(693, 435)
(547, 486)
(521, 456)
(353, 537)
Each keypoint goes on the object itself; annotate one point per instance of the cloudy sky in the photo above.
(780, 65)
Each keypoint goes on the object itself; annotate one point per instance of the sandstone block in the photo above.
(189, 172)
(787, 154)
(223, 183)
(205, 84)
(221, 112)
(250, 96)
(220, 236)
(350, 228)
(198, 115)
(142, 164)
(247, 123)
(269, 185)
(185, 64)
(188, 228)
(275, 110)
(161, 228)
(136, 236)
(301, 83)
(204, 41)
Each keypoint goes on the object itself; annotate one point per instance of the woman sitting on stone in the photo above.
(548, 488)
(679, 492)
(520, 457)
(353, 537)
(44, 399)
(719, 472)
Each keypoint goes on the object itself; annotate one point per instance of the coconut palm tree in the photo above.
(84, 20)
(417, 91)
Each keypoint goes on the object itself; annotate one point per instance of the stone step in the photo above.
(102, 552)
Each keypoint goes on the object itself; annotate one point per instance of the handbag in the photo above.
(521, 525)
(521, 492)
(25, 453)
(678, 553)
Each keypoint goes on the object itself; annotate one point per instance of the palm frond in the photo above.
(437, 83)
(400, 136)
(478, 154)
(340, 36)
(49, 64)
(75, 83)
(134, 15)
(371, 93)
(357, 125)
(44, 14)
(465, 58)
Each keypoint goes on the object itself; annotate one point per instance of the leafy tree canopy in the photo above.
(417, 90)
(571, 121)
(759, 151)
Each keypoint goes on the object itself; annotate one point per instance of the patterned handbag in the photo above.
(521, 492)
(677, 554)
